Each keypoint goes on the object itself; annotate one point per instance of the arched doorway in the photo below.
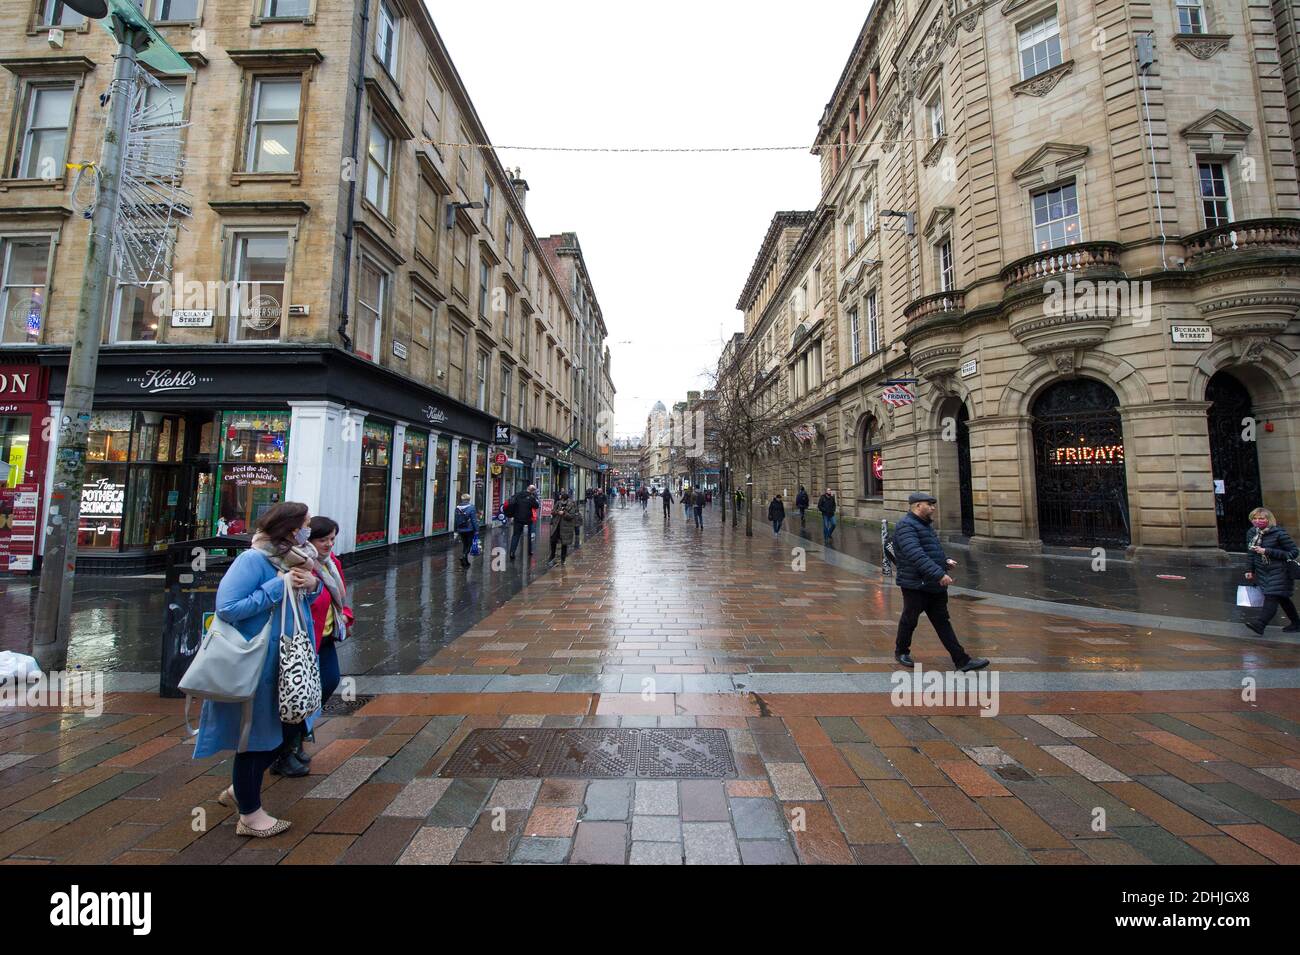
(964, 473)
(1234, 460)
(1079, 465)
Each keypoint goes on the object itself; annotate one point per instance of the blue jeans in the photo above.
(828, 526)
(329, 669)
(776, 525)
(699, 515)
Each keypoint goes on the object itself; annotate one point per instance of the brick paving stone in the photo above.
(1155, 807)
(382, 843)
(915, 767)
(656, 798)
(1258, 808)
(460, 804)
(1161, 847)
(829, 768)
(818, 841)
(758, 819)
(319, 849)
(1091, 796)
(433, 845)
(406, 763)
(881, 732)
(541, 851)
(973, 779)
(792, 781)
(417, 798)
(954, 808)
(1287, 775)
(335, 754)
(779, 749)
(859, 817)
(1251, 780)
(1085, 764)
(515, 793)
(1178, 745)
(896, 854)
(1059, 857)
(608, 800)
(934, 845)
(767, 852)
(992, 847)
(1225, 850)
(899, 801)
(1022, 823)
(914, 728)
(867, 761)
(562, 792)
(94, 797)
(1114, 851)
(709, 843)
(755, 788)
(656, 853)
(359, 810)
(843, 729)
(1194, 800)
(1171, 763)
(1059, 810)
(600, 843)
(1029, 729)
(551, 822)
(345, 780)
(1061, 726)
(493, 836)
(1272, 845)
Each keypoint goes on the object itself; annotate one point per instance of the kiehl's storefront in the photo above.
(24, 424)
(190, 443)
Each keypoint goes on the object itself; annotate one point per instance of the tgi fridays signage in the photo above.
(896, 396)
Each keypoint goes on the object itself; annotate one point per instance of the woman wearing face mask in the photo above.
(251, 592)
(1271, 549)
(331, 614)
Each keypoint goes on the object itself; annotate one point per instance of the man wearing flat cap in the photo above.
(923, 576)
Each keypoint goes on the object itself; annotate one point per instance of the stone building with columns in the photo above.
(1070, 233)
(360, 316)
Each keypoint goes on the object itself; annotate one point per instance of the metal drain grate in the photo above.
(686, 753)
(337, 706)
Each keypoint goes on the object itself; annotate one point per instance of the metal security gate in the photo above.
(963, 473)
(1079, 465)
(1234, 460)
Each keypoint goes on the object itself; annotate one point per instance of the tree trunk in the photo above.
(749, 496)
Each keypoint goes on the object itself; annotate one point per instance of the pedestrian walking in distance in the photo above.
(776, 514)
(1270, 555)
(600, 503)
(564, 523)
(826, 504)
(667, 496)
(801, 502)
(923, 576)
(466, 527)
(686, 500)
(277, 567)
(697, 501)
(520, 508)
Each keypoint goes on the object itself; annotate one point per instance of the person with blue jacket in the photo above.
(250, 593)
(466, 526)
(923, 576)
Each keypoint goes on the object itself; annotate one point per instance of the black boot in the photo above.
(298, 751)
(289, 765)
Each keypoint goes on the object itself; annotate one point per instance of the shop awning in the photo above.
(515, 463)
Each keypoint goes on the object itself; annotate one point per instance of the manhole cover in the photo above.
(685, 753)
(337, 706)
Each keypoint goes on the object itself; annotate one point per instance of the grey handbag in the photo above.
(227, 669)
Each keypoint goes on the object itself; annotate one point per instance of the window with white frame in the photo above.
(510, 240)
(869, 213)
(481, 381)
(1040, 46)
(484, 286)
(934, 109)
(135, 312)
(1191, 16)
(487, 202)
(286, 9)
(24, 277)
(850, 237)
(56, 13)
(386, 36)
(1216, 204)
(379, 165)
(505, 391)
(855, 337)
(260, 267)
(1056, 217)
(43, 144)
(505, 319)
(873, 324)
(172, 11)
(273, 132)
(372, 303)
(943, 265)
(815, 365)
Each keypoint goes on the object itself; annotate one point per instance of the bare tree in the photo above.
(753, 417)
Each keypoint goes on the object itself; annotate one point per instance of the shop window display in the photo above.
(414, 465)
(372, 503)
(254, 449)
(441, 485)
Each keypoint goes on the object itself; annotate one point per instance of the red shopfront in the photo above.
(24, 423)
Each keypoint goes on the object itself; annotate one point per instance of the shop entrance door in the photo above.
(963, 473)
(1234, 461)
(1079, 465)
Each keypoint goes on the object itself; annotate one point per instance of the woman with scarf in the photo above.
(1271, 550)
(277, 566)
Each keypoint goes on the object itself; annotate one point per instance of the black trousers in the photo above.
(466, 541)
(521, 530)
(934, 606)
(1267, 612)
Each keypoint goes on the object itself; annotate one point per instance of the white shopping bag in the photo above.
(1249, 596)
(18, 667)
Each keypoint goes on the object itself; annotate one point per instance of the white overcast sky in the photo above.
(669, 239)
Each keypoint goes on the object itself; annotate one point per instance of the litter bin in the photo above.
(194, 569)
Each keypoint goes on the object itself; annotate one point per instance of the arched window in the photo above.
(873, 462)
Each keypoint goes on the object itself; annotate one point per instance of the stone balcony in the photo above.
(1247, 275)
(933, 333)
(1065, 298)
(1085, 260)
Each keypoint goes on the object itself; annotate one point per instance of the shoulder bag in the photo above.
(299, 681)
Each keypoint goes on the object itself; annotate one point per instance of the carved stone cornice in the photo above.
(935, 152)
(1166, 409)
(1056, 332)
(1044, 82)
(1236, 312)
(1203, 46)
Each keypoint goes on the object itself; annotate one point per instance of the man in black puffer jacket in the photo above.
(923, 576)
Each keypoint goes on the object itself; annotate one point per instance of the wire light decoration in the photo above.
(151, 205)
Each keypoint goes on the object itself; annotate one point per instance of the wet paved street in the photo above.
(1108, 743)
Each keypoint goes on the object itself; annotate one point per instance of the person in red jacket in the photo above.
(331, 611)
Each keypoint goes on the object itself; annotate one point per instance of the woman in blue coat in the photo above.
(250, 593)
